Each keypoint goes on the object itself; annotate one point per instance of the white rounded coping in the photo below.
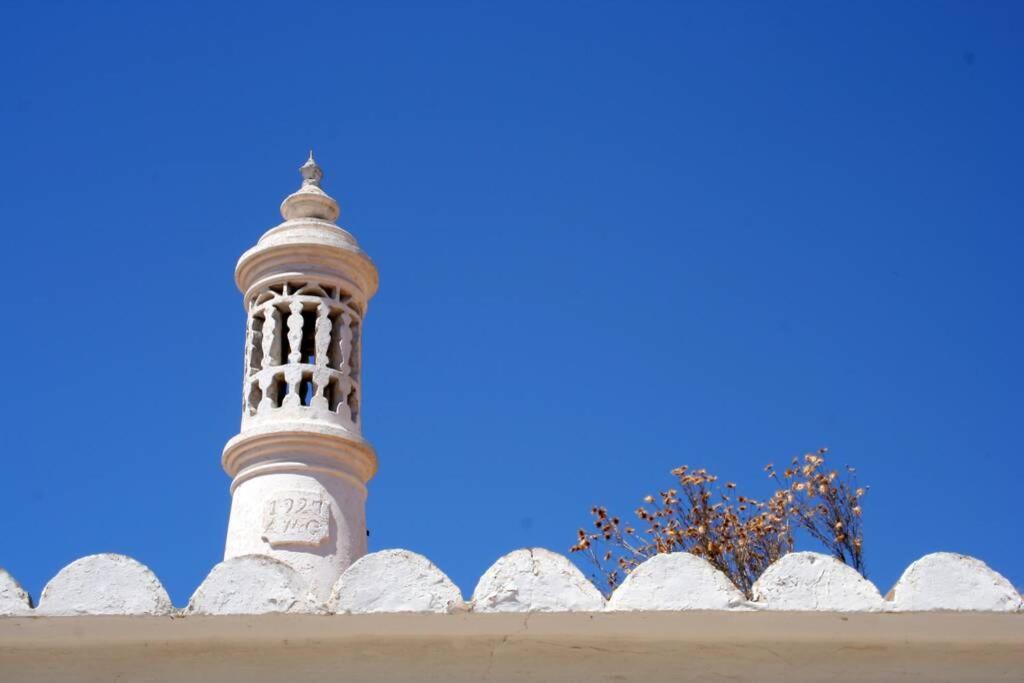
(394, 580)
(252, 584)
(535, 580)
(14, 601)
(948, 581)
(676, 581)
(104, 584)
(528, 580)
(807, 581)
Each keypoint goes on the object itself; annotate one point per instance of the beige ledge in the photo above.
(625, 646)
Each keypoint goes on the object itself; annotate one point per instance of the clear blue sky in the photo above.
(613, 238)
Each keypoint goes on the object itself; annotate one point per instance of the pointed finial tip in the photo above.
(311, 171)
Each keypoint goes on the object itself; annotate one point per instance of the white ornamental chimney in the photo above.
(300, 463)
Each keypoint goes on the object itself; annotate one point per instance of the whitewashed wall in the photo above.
(394, 616)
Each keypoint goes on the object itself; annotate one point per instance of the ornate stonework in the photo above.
(306, 285)
(302, 352)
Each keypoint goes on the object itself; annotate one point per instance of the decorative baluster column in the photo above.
(300, 464)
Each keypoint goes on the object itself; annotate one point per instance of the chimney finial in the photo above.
(310, 201)
(311, 172)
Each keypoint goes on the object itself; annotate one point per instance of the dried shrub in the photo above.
(738, 535)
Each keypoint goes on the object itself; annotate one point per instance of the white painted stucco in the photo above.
(535, 580)
(816, 582)
(13, 598)
(527, 580)
(394, 581)
(252, 584)
(104, 584)
(948, 581)
(676, 581)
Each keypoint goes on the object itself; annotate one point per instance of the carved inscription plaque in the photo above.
(296, 518)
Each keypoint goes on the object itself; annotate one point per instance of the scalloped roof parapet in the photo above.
(252, 584)
(949, 581)
(104, 584)
(528, 580)
(676, 581)
(535, 580)
(807, 581)
(394, 580)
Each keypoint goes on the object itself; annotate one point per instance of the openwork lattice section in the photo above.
(302, 351)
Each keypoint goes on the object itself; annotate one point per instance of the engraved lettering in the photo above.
(296, 518)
